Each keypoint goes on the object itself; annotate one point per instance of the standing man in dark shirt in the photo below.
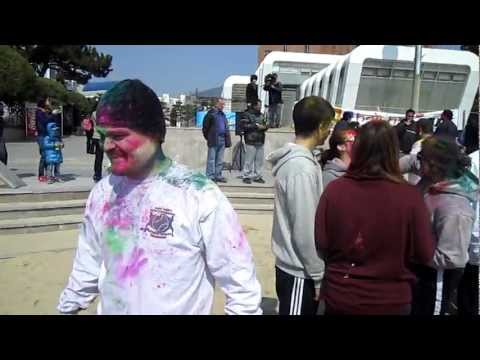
(445, 126)
(274, 88)
(252, 91)
(407, 132)
(254, 127)
(343, 123)
(216, 132)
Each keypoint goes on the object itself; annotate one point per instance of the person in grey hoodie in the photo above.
(336, 159)
(298, 186)
(451, 199)
(468, 292)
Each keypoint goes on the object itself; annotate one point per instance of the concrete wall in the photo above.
(187, 145)
(11, 134)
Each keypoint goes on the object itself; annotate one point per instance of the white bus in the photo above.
(292, 69)
(380, 78)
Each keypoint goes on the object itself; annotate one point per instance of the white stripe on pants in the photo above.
(439, 293)
(296, 297)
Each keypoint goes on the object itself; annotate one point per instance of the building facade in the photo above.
(264, 50)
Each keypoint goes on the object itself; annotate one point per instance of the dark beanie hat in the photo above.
(132, 104)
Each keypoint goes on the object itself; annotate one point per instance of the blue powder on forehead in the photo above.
(132, 104)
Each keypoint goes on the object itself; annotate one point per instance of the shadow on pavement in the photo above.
(68, 177)
(26, 175)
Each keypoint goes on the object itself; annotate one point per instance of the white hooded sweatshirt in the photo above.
(158, 246)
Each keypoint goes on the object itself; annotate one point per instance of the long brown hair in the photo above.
(375, 153)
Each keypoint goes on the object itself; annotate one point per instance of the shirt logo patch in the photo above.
(160, 224)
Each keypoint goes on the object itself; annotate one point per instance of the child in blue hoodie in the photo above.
(52, 152)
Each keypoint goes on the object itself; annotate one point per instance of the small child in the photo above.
(52, 147)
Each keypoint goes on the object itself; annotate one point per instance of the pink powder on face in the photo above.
(122, 152)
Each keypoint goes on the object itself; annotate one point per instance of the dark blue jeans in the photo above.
(215, 158)
(42, 166)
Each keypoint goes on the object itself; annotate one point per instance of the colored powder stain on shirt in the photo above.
(132, 268)
(162, 165)
(106, 207)
(120, 223)
(200, 181)
(115, 242)
(239, 240)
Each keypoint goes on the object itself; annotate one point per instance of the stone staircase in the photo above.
(49, 211)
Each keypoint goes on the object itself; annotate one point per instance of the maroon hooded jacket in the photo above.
(369, 232)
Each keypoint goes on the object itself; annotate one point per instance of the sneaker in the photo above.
(42, 178)
(259, 180)
(51, 180)
(247, 181)
(221, 180)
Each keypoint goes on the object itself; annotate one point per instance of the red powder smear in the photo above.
(133, 142)
(145, 216)
(106, 120)
(240, 240)
(134, 265)
(119, 223)
(106, 207)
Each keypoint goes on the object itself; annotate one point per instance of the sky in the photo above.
(176, 69)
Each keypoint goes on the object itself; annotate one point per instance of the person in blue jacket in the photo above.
(52, 152)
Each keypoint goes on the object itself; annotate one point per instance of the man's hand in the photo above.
(317, 294)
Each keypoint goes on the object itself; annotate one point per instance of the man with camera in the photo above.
(252, 91)
(274, 88)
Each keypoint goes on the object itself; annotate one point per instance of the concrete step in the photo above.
(29, 209)
(25, 225)
(26, 210)
(40, 224)
(30, 197)
(244, 188)
(250, 198)
(43, 196)
(253, 208)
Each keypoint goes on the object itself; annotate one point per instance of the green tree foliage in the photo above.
(17, 77)
(72, 62)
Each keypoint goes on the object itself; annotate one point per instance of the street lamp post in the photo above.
(417, 78)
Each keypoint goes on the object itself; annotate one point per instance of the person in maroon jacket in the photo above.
(369, 257)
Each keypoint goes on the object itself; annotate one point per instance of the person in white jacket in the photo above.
(156, 236)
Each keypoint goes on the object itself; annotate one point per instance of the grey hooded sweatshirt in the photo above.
(332, 170)
(298, 186)
(452, 204)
